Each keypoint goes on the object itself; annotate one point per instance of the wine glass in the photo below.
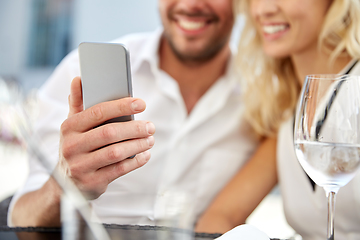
(327, 133)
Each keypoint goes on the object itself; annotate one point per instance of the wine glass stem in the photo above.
(331, 195)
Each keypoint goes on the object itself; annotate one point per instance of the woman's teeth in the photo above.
(191, 25)
(270, 29)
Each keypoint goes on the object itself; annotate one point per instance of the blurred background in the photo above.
(36, 34)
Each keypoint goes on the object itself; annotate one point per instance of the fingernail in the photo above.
(150, 128)
(137, 105)
(147, 155)
(151, 141)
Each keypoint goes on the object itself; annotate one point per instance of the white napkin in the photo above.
(244, 232)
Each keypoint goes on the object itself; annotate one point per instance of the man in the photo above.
(185, 76)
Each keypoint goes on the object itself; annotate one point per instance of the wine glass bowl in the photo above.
(326, 132)
(328, 165)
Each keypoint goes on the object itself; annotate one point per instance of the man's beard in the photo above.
(199, 57)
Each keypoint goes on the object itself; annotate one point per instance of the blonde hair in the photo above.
(271, 87)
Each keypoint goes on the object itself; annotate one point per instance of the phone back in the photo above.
(105, 73)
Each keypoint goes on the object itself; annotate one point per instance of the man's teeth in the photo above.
(191, 25)
(270, 29)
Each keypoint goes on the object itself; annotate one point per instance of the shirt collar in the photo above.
(149, 52)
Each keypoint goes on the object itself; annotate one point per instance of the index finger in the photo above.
(102, 112)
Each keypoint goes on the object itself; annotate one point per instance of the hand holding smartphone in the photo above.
(105, 75)
(95, 156)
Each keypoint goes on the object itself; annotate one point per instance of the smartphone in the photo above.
(105, 74)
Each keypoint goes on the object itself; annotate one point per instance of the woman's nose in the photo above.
(263, 7)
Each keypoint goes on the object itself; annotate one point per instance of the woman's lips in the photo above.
(274, 31)
(271, 29)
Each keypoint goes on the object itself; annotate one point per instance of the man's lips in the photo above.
(193, 22)
(190, 25)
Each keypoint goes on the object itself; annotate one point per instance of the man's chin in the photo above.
(197, 55)
(195, 50)
(193, 57)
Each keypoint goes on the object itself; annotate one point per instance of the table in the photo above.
(127, 232)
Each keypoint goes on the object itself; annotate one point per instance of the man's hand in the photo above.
(95, 156)
(91, 156)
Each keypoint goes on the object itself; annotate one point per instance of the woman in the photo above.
(282, 42)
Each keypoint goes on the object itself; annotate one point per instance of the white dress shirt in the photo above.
(194, 154)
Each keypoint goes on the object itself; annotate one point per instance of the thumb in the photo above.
(75, 97)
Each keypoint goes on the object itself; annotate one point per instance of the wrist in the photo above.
(51, 193)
